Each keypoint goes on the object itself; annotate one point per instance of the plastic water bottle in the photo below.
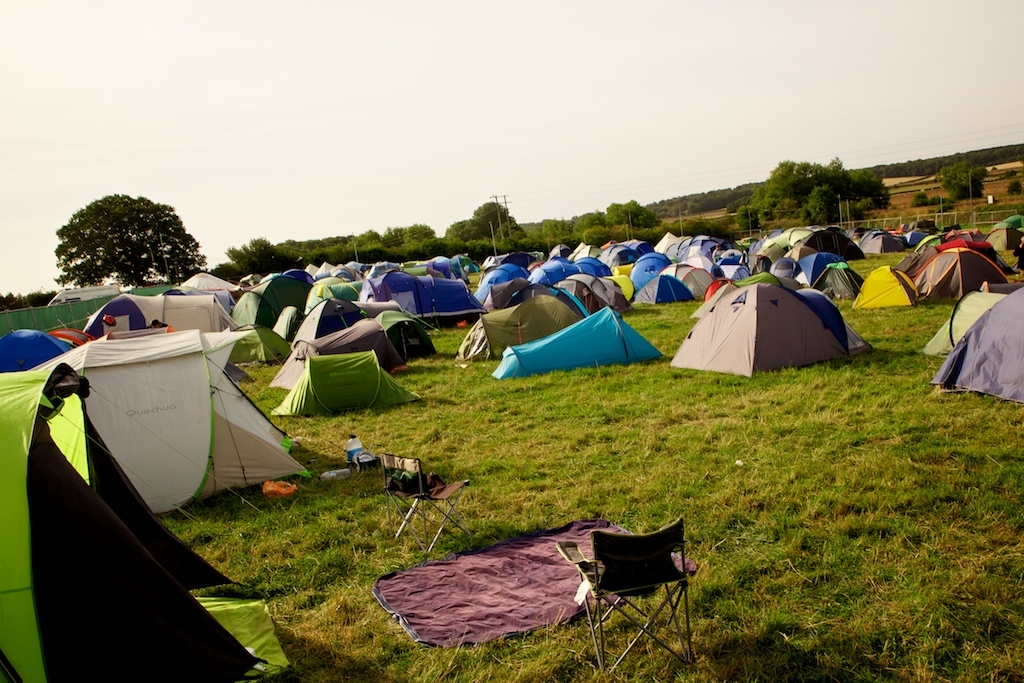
(337, 474)
(353, 448)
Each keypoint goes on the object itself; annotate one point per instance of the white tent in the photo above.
(172, 418)
(209, 283)
(202, 312)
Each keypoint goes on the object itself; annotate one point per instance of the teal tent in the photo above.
(603, 338)
(346, 381)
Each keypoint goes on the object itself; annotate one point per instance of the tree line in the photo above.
(135, 241)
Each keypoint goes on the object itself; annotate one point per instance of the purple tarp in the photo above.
(512, 587)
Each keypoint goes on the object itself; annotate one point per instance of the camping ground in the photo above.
(850, 523)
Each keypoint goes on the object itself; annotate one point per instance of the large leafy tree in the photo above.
(487, 217)
(813, 191)
(130, 239)
(259, 255)
(962, 180)
(632, 215)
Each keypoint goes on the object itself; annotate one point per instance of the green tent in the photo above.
(263, 304)
(347, 381)
(407, 333)
(91, 583)
(259, 345)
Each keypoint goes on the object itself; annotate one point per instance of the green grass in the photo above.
(872, 532)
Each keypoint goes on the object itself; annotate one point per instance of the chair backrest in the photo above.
(637, 563)
(403, 475)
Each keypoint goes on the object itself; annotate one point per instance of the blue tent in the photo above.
(552, 271)
(646, 267)
(811, 266)
(423, 296)
(591, 266)
(663, 289)
(506, 272)
(989, 357)
(603, 338)
(25, 349)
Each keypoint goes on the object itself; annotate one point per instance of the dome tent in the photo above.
(764, 327)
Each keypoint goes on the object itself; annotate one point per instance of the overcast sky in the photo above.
(313, 119)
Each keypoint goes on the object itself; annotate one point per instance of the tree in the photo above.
(821, 206)
(962, 180)
(632, 215)
(130, 239)
(259, 256)
(1014, 187)
(790, 186)
(488, 217)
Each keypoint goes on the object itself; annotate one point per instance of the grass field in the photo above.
(872, 532)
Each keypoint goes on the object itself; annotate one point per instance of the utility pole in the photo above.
(497, 208)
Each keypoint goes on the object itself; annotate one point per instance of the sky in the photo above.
(322, 118)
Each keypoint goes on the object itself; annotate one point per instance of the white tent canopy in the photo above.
(172, 418)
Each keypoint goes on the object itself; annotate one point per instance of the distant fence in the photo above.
(947, 219)
(46, 318)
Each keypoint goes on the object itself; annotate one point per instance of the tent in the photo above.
(332, 288)
(91, 584)
(132, 312)
(989, 357)
(951, 273)
(174, 420)
(408, 334)
(262, 305)
(712, 297)
(347, 381)
(646, 267)
(532, 319)
(591, 266)
(839, 281)
(967, 310)
(505, 272)
(834, 241)
(259, 345)
(364, 335)
(603, 338)
(25, 349)
(595, 292)
(881, 242)
(618, 255)
(330, 315)
(553, 270)
(1004, 238)
(697, 280)
(886, 286)
(423, 296)
(624, 284)
(662, 289)
(811, 266)
(287, 323)
(764, 327)
(584, 250)
(209, 283)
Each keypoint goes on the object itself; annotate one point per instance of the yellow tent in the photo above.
(624, 283)
(884, 287)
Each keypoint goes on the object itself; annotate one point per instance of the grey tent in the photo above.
(363, 335)
(595, 292)
(763, 327)
(989, 359)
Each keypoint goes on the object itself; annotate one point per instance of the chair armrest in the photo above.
(571, 552)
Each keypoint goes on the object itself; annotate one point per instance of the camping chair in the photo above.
(423, 501)
(628, 567)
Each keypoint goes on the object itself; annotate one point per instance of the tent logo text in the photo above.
(150, 411)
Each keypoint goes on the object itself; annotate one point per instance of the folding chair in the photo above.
(423, 501)
(638, 576)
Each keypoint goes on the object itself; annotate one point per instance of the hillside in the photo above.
(905, 176)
